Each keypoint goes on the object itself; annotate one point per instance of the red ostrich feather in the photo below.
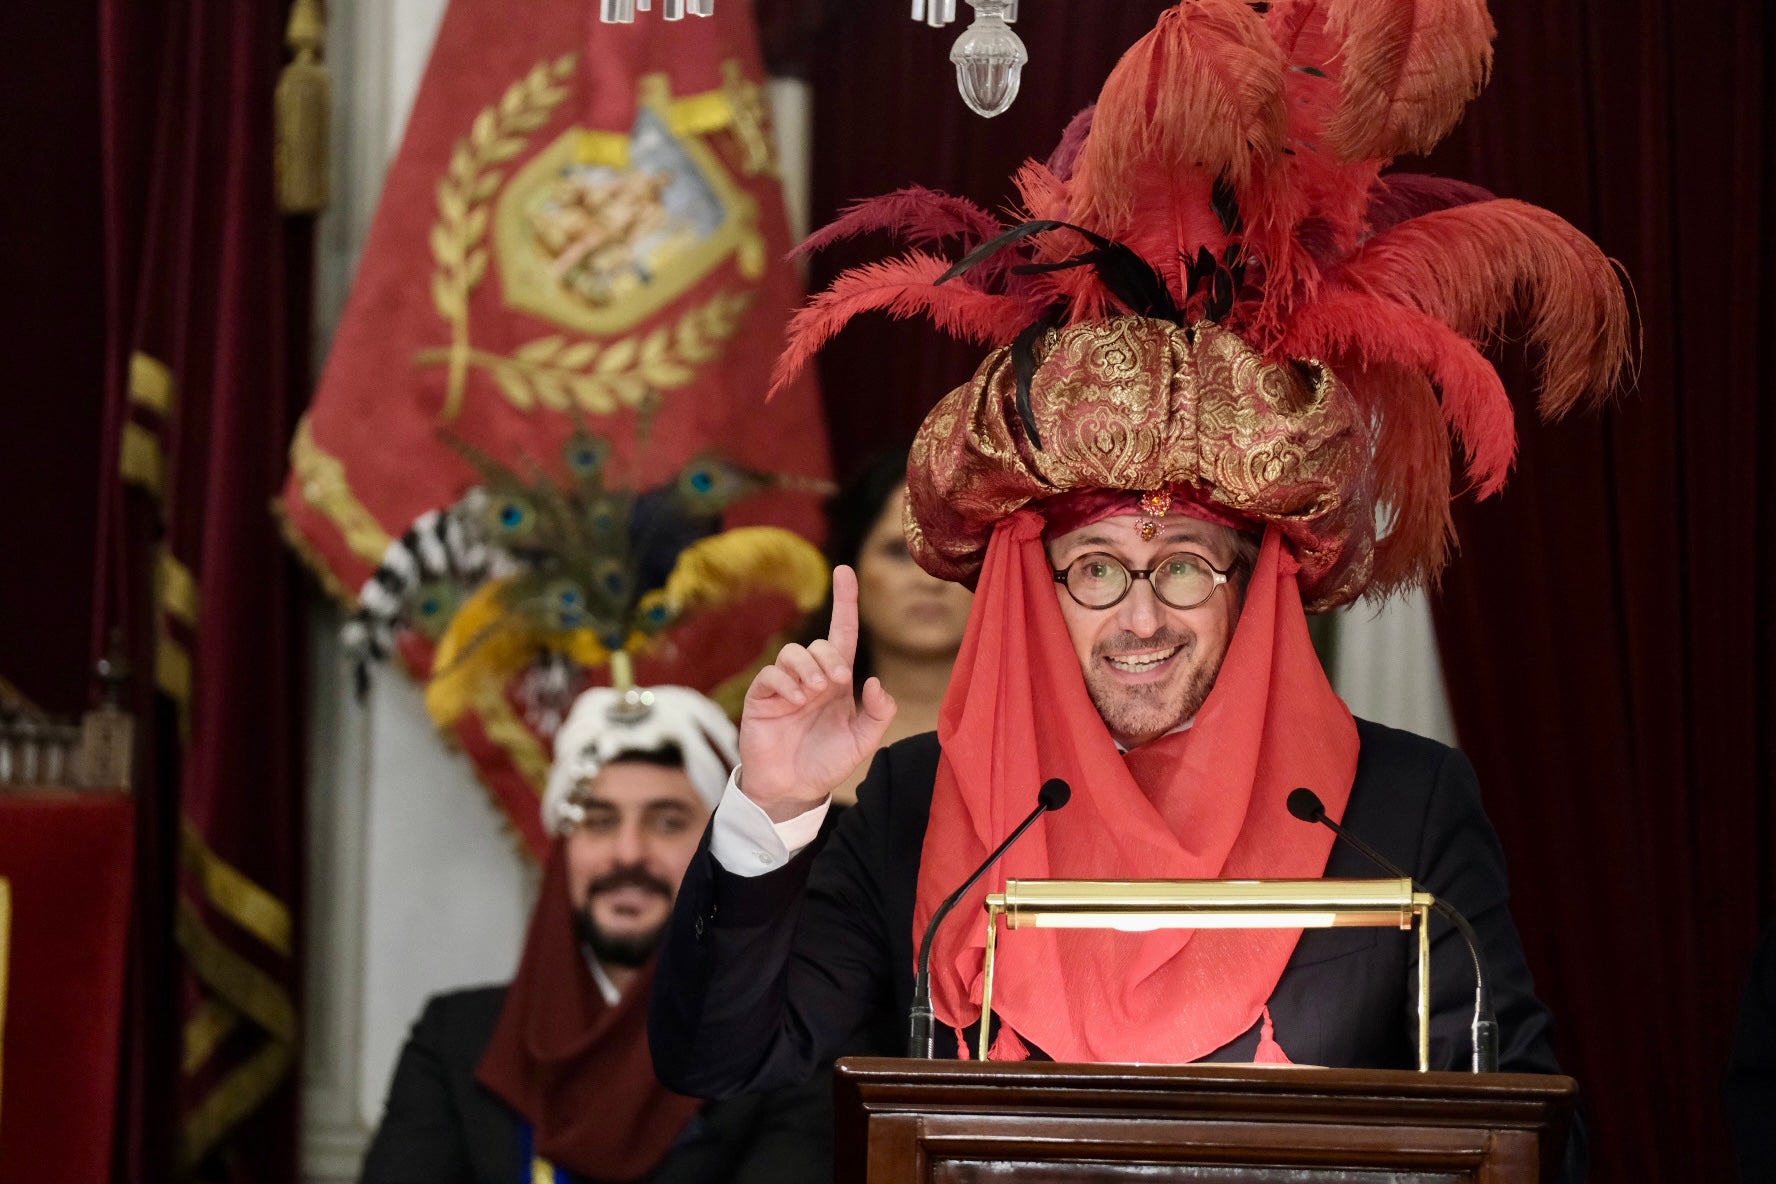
(921, 217)
(1471, 266)
(1411, 472)
(904, 287)
(1200, 95)
(1407, 69)
(1371, 331)
(1399, 196)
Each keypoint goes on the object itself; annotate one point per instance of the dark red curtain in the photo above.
(886, 114)
(1605, 633)
(208, 331)
(51, 334)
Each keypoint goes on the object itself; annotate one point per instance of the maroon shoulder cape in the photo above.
(576, 1067)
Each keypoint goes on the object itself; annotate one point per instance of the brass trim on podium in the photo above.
(1139, 906)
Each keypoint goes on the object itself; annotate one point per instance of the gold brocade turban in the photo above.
(1133, 403)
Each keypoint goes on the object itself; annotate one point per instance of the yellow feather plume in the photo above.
(725, 567)
(486, 644)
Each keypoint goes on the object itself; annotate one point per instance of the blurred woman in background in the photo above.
(910, 623)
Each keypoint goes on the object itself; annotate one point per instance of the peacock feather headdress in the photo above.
(575, 569)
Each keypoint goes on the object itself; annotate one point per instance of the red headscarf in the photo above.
(576, 1067)
(1203, 803)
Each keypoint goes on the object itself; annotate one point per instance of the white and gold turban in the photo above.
(606, 724)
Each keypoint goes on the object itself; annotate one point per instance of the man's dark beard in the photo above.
(629, 950)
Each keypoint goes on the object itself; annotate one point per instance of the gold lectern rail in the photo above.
(1139, 906)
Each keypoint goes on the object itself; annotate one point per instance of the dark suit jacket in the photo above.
(440, 1126)
(762, 979)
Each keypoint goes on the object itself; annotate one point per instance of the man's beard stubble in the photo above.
(611, 949)
(1152, 710)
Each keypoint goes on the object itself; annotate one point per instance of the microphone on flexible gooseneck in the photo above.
(1305, 804)
(1054, 794)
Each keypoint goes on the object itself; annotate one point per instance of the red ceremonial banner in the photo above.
(582, 236)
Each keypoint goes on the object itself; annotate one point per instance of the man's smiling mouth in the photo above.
(1142, 662)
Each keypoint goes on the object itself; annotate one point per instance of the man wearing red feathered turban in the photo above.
(1228, 353)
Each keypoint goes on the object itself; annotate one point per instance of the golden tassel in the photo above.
(304, 113)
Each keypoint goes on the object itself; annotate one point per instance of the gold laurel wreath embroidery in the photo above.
(553, 371)
(559, 373)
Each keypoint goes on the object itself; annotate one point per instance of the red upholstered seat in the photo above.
(67, 858)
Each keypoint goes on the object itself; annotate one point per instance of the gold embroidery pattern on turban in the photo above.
(1131, 403)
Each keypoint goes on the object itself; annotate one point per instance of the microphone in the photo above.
(1054, 794)
(1305, 804)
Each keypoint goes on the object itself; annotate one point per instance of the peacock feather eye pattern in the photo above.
(431, 606)
(709, 484)
(586, 455)
(512, 518)
(559, 605)
(603, 517)
(612, 579)
(654, 613)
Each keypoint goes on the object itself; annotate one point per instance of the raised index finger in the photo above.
(843, 632)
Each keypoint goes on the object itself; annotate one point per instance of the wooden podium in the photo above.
(961, 1122)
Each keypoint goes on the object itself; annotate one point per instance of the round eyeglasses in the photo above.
(1099, 580)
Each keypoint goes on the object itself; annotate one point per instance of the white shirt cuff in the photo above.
(747, 843)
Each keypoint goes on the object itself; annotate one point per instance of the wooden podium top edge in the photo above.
(872, 1073)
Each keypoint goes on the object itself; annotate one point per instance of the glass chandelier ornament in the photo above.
(622, 12)
(989, 57)
(938, 13)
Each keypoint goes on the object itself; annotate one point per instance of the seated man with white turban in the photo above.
(549, 1078)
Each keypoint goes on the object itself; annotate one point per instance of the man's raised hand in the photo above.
(802, 732)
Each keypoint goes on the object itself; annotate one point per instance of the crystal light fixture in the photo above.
(622, 12)
(989, 59)
(936, 13)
